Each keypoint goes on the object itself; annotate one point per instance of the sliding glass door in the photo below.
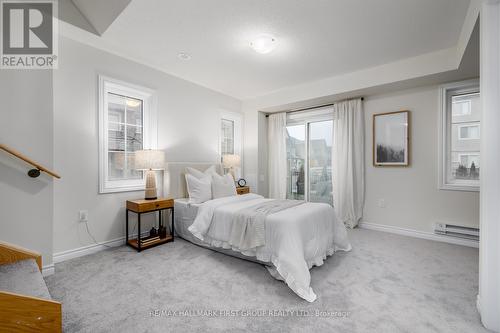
(309, 157)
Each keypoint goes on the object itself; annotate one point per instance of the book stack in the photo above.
(149, 240)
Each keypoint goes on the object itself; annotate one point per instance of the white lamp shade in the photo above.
(231, 161)
(149, 159)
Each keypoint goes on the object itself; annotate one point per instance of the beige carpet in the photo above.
(388, 283)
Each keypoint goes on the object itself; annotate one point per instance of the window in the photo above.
(227, 137)
(309, 155)
(461, 106)
(468, 132)
(126, 124)
(230, 133)
(460, 136)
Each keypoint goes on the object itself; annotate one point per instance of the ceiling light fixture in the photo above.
(184, 56)
(263, 44)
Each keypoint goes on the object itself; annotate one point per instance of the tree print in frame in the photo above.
(391, 139)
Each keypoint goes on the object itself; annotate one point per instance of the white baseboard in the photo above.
(85, 250)
(419, 234)
(92, 248)
(48, 270)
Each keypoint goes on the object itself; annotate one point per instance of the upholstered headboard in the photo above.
(175, 181)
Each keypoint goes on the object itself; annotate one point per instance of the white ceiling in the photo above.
(316, 38)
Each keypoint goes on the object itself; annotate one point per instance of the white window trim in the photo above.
(468, 86)
(468, 125)
(150, 131)
(237, 119)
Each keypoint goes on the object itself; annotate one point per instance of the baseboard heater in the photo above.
(456, 231)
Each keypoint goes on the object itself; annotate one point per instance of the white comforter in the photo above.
(297, 238)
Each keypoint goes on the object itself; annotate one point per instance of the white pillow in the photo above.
(200, 174)
(199, 190)
(223, 186)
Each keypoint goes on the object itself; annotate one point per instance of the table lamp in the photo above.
(230, 162)
(150, 160)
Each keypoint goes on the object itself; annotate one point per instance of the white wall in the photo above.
(411, 194)
(489, 265)
(25, 203)
(188, 130)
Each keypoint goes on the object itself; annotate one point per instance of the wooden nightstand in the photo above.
(142, 206)
(243, 190)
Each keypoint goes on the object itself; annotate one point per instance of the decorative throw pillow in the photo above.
(199, 189)
(200, 174)
(223, 186)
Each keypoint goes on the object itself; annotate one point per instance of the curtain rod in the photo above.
(313, 107)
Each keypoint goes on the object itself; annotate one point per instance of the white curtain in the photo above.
(348, 161)
(276, 137)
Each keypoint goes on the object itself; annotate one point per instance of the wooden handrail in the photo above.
(38, 167)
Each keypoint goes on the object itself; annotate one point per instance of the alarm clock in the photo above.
(242, 182)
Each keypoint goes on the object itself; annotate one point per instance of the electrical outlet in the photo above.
(83, 216)
(382, 203)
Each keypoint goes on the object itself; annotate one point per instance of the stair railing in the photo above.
(34, 173)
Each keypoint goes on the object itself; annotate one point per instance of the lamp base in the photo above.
(150, 193)
(231, 172)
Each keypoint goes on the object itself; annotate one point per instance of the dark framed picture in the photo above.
(391, 139)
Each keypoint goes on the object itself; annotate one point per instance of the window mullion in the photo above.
(306, 173)
(450, 140)
(125, 148)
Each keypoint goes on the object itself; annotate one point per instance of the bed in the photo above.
(294, 239)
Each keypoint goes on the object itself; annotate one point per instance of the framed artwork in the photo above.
(391, 139)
